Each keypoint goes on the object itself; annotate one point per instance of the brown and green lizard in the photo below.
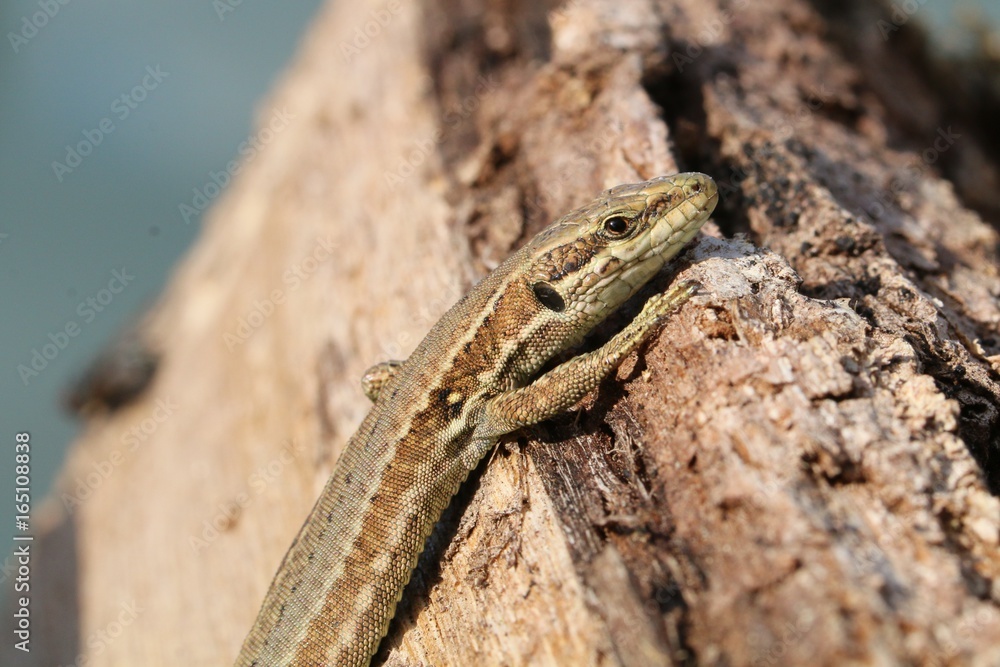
(472, 379)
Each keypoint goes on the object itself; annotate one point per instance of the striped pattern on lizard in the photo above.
(472, 379)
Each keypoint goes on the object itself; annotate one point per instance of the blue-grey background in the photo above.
(118, 209)
(62, 235)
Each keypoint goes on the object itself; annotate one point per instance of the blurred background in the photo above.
(159, 95)
(165, 93)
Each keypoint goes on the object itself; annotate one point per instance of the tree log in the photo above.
(801, 469)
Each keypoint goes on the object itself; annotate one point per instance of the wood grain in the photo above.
(801, 470)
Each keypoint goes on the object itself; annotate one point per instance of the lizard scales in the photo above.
(439, 412)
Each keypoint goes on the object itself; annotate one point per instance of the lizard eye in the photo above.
(617, 226)
(549, 297)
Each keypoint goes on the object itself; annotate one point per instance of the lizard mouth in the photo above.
(695, 197)
(681, 205)
(677, 207)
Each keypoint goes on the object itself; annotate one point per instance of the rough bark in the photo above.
(802, 468)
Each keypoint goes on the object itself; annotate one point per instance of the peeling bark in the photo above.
(801, 469)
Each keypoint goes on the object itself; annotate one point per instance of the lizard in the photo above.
(475, 377)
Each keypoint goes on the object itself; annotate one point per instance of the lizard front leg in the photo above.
(560, 388)
(376, 377)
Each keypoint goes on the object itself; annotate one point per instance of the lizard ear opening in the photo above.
(548, 297)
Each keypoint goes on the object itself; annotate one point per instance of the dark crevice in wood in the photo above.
(469, 45)
(677, 90)
(899, 64)
(678, 93)
(979, 417)
(976, 584)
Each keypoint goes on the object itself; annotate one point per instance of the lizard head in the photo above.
(592, 260)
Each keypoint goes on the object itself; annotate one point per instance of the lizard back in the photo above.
(469, 381)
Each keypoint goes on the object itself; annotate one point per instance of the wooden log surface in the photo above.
(802, 468)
